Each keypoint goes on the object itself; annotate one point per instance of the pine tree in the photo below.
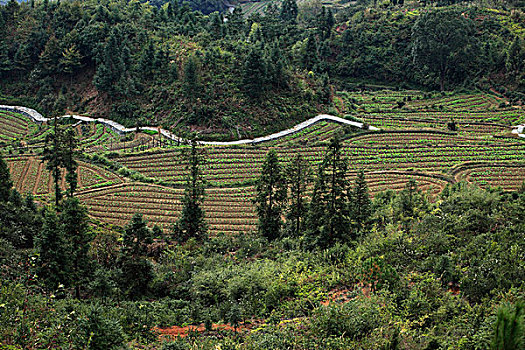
(75, 225)
(5, 62)
(289, 11)
(515, 56)
(191, 223)
(328, 220)
(508, 329)
(68, 159)
(360, 203)
(271, 197)
(136, 269)
(191, 76)
(70, 60)
(5, 181)
(53, 262)
(254, 74)
(310, 57)
(59, 152)
(49, 58)
(298, 177)
(53, 156)
(277, 74)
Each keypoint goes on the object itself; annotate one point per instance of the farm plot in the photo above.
(401, 139)
(382, 181)
(15, 126)
(251, 8)
(227, 210)
(30, 175)
(228, 166)
(458, 102)
(509, 177)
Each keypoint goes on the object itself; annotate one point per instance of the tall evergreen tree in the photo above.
(5, 181)
(298, 177)
(271, 197)
(75, 225)
(289, 11)
(191, 223)
(310, 56)
(515, 57)
(53, 155)
(59, 153)
(136, 269)
(508, 329)
(254, 74)
(191, 76)
(328, 220)
(70, 60)
(53, 262)
(360, 203)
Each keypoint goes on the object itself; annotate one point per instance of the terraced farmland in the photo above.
(15, 126)
(31, 176)
(414, 143)
(228, 210)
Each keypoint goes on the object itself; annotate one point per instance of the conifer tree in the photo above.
(5, 181)
(328, 220)
(53, 155)
(298, 177)
(5, 62)
(191, 76)
(68, 160)
(310, 57)
(277, 74)
(515, 56)
(70, 60)
(271, 197)
(136, 269)
(52, 263)
(59, 152)
(254, 74)
(191, 223)
(508, 328)
(289, 11)
(75, 225)
(360, 203)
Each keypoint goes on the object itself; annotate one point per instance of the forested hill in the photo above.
(235, 76)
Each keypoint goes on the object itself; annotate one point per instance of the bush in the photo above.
(98, 332)
(355, 319)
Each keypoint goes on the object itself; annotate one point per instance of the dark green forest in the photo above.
(231, 76)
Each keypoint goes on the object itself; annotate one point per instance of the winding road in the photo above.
(39, 118)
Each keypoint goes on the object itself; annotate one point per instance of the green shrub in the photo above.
(354, 320)
(96, 331)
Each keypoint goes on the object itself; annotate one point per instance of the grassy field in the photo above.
(414, 142)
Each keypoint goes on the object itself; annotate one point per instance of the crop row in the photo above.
(239, 165)
(31, 176)
(226, 210)
(509, 178)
